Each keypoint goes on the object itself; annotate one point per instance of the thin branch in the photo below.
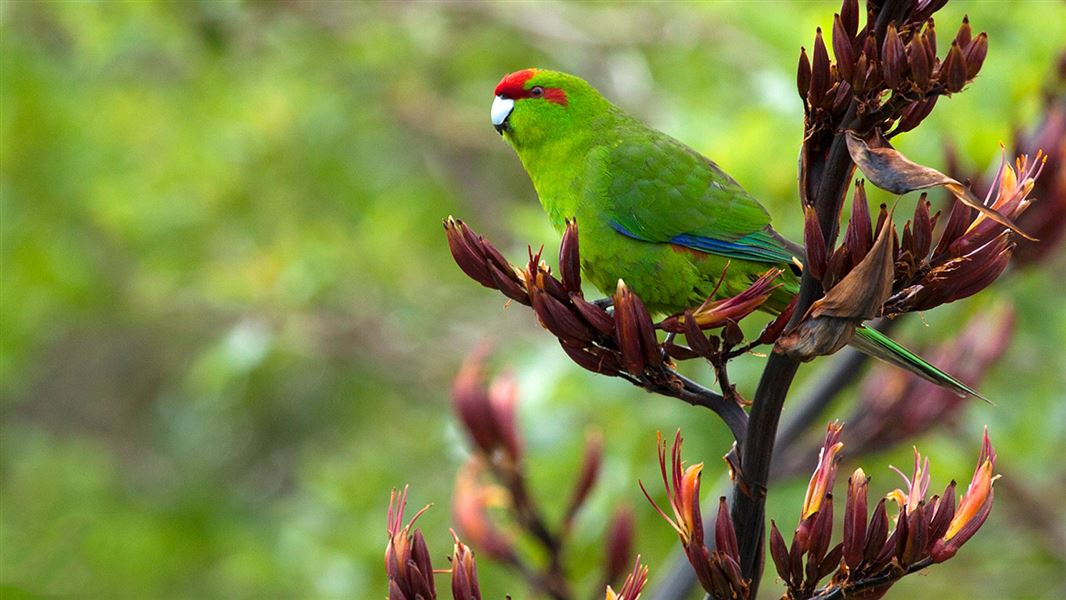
(695, 394)
(837, 593)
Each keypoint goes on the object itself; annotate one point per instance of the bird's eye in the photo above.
(536, 92)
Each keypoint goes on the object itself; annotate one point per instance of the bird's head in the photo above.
(534, 106)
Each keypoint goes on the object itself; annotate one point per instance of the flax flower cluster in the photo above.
(877, 550)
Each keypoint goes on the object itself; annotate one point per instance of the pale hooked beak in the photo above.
(501, 109)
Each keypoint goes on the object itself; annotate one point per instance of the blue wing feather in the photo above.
(758, 246)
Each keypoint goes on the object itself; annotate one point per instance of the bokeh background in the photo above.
(230, 319)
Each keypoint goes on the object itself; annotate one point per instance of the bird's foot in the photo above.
(604, 303)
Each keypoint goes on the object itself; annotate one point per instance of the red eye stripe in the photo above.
(555, 95)
(513, 86)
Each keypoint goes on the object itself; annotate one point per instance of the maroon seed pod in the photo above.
(958, 221)
(593, 359)
(509, 284)
(859, 236)
(775, 328)
(466, 255)
(953, 69)
(962, 38)
(779, 553)
(945, 511)
(855, 519)
(915, 113)
(815, 243)
(569, 259)
(893, 58)
(975, 55)
(876, 533)
(843, 49)
(929, 41)
(732, 335)
(820, 74)
(627, 331)
(695, 337)
(831, 562)
(918, 58)
(598, 318)
(725, 537)
(923, 229)
(917, 536)
(803, 75)
(849, 17)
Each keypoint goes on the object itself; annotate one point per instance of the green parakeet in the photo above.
(651, 210)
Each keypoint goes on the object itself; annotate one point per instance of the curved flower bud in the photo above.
(821, 482)
(974, 507)
(465, 585)
(407, 562)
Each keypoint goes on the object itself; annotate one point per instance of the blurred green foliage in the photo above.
(229, 317)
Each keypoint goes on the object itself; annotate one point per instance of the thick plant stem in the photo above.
(826, 193)
(749, 493)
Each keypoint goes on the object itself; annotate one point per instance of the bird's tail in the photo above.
(878, 345)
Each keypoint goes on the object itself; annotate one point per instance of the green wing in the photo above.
(659, 190)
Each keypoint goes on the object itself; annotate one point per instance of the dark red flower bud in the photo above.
(915, 113)
(876, 533)
(918, 59)
(975, 55)
(849, 17)
(820, 533)
(557, 317)
(893, 58)
(958, 220)
(855, 519)
(843, 49)
(962, 38)
(775, 328)
(732, 334)
(917, 536)
(814, 243)
(725, 537)
(929, 41)
(488, 415)
(821, 78)
(508, 283)
(859, 237)
(779, 552)
(628, 331)
(466, 254)
(952, 71)
(696, 338)
(922, 231)
(598, 318)
(407, 562)
(803, 75)
(593, 358)
(719, 313)
(974, 508)
(465, 585)
(569, 259)
(944, 512)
